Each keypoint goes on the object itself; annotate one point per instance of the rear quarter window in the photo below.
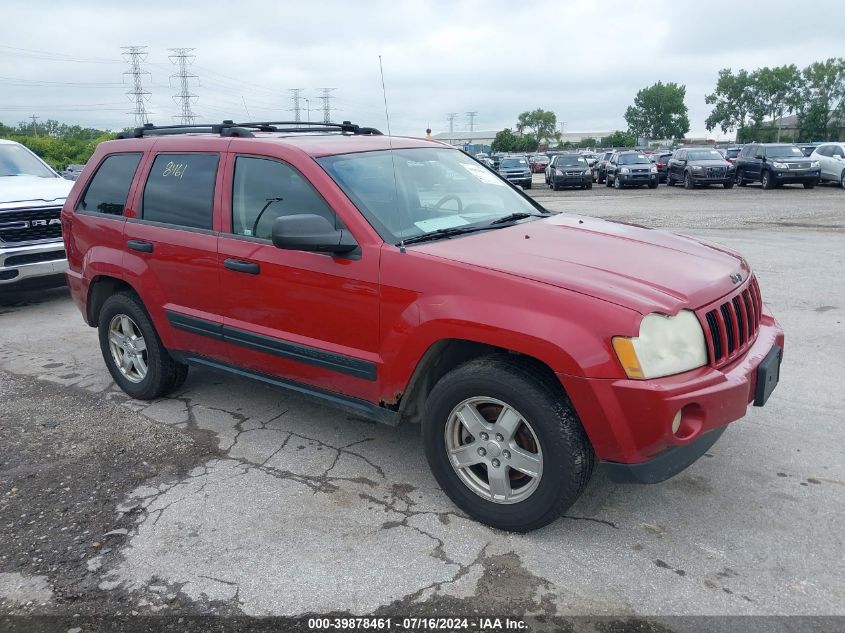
(180, 190)
(109, 188)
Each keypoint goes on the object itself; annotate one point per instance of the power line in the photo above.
(471, 116)
(452, 116)
(295, 96)
(135, 55)
(182, 57)
(327, 108)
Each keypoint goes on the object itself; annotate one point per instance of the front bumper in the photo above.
(636, 179)
(571, 181)
(27, 262)
(796, 175)
(629, 421)
(704, 179)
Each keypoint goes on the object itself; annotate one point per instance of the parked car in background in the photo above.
(695, 167)
(808, 148)
(31, 199)
(631, 169)
(731, 153)
(661, 160)
(72, 171)
(538, 162)
(569, 170)
(516, 170)
(831, 158)
(775, 164)
(600, 167)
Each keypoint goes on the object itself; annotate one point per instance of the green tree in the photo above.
(619, 139)
(56, 143)
(823, 110)
(507, 141)
(732, 100)
(659, 112)
(542, 125)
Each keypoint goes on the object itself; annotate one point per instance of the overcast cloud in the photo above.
(583, 60)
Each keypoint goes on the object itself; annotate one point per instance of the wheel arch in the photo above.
(101, 288)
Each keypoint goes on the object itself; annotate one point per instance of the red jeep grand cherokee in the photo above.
(404, 280)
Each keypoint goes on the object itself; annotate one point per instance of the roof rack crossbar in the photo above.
(230, 128)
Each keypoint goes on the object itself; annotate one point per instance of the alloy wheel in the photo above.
(493, 450)
(128, 348)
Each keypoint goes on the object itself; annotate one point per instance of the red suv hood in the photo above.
(644, 269)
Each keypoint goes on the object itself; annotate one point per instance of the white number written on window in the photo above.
(177, 170)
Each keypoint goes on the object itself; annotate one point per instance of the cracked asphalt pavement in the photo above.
(232, 498)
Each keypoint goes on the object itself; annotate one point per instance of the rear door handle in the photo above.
(240, 266)
(140, 245)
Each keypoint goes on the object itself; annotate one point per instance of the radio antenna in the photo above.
(390, 143)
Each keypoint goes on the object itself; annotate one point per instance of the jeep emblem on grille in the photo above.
(736, 278)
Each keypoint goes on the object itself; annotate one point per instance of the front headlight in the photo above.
(653, 169)
(558, 172)
(697, 167)
(624, 170)
(666, 346)
(778, 165)
(814, 164)
(587, 172)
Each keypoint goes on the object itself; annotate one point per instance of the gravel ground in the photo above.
(232, 499)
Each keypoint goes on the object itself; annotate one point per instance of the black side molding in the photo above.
(269, 345)
(348, 404)
(665, 465)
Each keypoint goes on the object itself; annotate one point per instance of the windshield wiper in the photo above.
(436, 235)
(513, 217)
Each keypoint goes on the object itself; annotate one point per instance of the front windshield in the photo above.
(541, 159)
(633, 159)
(513, 163)
(16, 160)
(704, 154)
(784, 151)
(434, 189)
(570, 161)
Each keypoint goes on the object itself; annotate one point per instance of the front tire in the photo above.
(505, 444)
(842, 179)
(589, 185)
(688, 182)
(740, 178)
(766, 180)
(728, 185)
(617, 183)
(133, 352)
(669, 181)
(809, 185)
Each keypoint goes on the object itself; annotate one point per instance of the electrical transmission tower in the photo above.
(452, 116)
(182, 57)
(327, 108)
(471, 116)
(295, 96)
(135, 56)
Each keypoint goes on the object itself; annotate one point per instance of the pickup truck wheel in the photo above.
(133, 352)
(505, 445)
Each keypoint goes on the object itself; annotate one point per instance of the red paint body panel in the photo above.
(556, 289)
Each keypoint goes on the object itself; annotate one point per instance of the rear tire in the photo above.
(538, 426)
(127, 334)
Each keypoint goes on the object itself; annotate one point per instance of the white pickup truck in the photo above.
(31, 199)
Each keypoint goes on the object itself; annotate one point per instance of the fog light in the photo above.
(676, 423)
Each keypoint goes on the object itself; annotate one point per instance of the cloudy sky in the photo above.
(584, 60)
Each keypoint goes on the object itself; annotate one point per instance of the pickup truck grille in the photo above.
(30, 225)
(731, 326)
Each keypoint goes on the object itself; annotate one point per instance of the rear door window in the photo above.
(180, 190)
(109, 187)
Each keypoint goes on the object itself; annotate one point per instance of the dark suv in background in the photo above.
(516, 170)
(600, 167)
(775, 164)
(695, 167)
(631, 169)
(569, 170)
(661, 159)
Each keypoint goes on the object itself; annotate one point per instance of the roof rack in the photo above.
(230, 128)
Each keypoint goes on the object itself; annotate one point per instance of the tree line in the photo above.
(752, 102)
(58, 144)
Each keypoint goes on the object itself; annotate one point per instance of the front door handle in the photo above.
(240, 266)
(140, 245)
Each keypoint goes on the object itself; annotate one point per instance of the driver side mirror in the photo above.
(759, 155)
(310, 232)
